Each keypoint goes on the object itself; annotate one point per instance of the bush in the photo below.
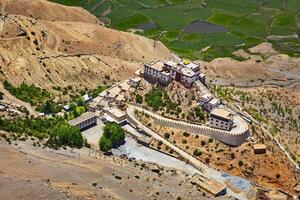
(207, 160)
(199, 113)
(138, 99)
(167, 135)
(197, 152)
(202, 142)
(186, 134)
(240, 163)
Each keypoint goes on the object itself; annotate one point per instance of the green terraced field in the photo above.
(248, 22)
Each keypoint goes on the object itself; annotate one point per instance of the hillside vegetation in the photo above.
(249, 22)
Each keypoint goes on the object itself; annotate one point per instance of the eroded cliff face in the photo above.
(64, 46)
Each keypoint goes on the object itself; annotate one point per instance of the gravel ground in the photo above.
(134, 150)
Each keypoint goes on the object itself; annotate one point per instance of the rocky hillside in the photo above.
(66, 46)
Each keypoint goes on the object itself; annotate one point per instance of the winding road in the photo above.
(190, 159)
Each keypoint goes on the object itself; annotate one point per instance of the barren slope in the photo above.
(38, 173)
(50, 11)
(51, 52)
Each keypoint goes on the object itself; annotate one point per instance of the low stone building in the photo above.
(209, 185)
(84, 121)
(259, 149)
(113, 114)
(220, 119)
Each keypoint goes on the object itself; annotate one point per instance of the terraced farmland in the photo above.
(248, 22)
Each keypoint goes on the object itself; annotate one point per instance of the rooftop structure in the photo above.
(113, 114)
(209, 185)
(103, 94)
(221, 113)
(205, 98)
(184, 72)
(221, 119)
(157, 65)
(113, 93)
(125, 86)
(86, 98)
(134, 82)
(84, 121)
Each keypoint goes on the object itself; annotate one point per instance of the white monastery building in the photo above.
(184, 72)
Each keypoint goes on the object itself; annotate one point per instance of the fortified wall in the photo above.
(232, 138)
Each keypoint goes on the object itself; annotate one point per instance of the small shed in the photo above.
(259, 149)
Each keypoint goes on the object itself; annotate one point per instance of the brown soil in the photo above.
(72, 49)
(28, 172)
(261, 169)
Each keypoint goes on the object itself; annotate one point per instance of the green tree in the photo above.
(105, 144)
(113, 133)
(138, 99)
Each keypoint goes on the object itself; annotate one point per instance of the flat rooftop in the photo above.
(210, 185)
(158, 65)
(214, 101)
(82, 118)
(136, 79)
(114, 92)
(115, 111)
(207, 96)
(259, 146)
(221, 113)
(188, 72)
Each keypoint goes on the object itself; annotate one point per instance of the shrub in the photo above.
(197, 152)
(207, 160)
(138, 99)
(202, 142)
(240, 163)
(186, 134)
(167, 135)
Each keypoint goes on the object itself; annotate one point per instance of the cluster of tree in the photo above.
(65, 135)
(56, 130)
(158, 98)
(199, 113)
(76, 109)
(29, 93)
(113, 136)
(49, 107)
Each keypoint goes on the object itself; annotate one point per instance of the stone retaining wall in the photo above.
(227, 137)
